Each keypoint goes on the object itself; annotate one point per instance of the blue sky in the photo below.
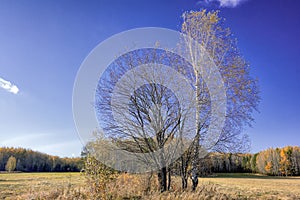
(43, 43)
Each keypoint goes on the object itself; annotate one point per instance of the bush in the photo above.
(98, 177)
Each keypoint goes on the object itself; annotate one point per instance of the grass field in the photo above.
(240, 186)
(21, 185)
(257, 186)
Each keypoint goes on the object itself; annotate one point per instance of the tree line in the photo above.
(26, 160)
(273, 161)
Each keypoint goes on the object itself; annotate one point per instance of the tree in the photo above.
(143, 115)
(98, 176)
(208, 29)
(285, 160)
(253, 163)
(295, 158)
(11, 164)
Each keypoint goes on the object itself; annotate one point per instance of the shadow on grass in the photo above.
(9, 180)
(251, 176)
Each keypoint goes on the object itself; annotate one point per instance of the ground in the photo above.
(29, 184)
(256, 186)
(240, 186)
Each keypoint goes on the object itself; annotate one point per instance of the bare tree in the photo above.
(143, 108)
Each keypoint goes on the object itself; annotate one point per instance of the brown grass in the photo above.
(33, 185)
(222, 186)
(257, 186)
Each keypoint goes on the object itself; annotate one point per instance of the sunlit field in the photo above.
(257, 186)
(32, 185)
(220, 186)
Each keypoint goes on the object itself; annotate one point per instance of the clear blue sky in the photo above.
(43, 43)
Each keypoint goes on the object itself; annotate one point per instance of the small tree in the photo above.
(11, 164)
(98, 177)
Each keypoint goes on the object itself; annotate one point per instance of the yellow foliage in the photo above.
(268, 167)
(98, 177)
(285, 163)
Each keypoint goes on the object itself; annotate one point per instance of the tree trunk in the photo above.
(194, 181)
(162, 179)
(183, 173)
(195, 158)
(184, 182)
(148, 188)
(169, 178)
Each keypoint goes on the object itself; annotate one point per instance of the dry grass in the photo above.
(223, 186)
(31, 185)
(257, 186)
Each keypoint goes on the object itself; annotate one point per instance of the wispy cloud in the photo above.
(8, 86)
(230, 3)
(222, 3)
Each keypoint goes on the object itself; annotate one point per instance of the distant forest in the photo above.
(274, 161)
(26, 160)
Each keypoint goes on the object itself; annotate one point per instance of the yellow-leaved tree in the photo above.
(285, 163)
(11, 164)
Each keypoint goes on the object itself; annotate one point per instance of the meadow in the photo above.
(219, 186)
(30, 185)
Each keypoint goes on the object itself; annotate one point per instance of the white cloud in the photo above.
(222, 3)
(8, 86)
(230, 3)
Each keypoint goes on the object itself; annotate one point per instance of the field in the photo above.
(30, 185)
(72, 186)
(258, 186)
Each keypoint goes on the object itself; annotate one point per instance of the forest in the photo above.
(26, 160)
(273, 161)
